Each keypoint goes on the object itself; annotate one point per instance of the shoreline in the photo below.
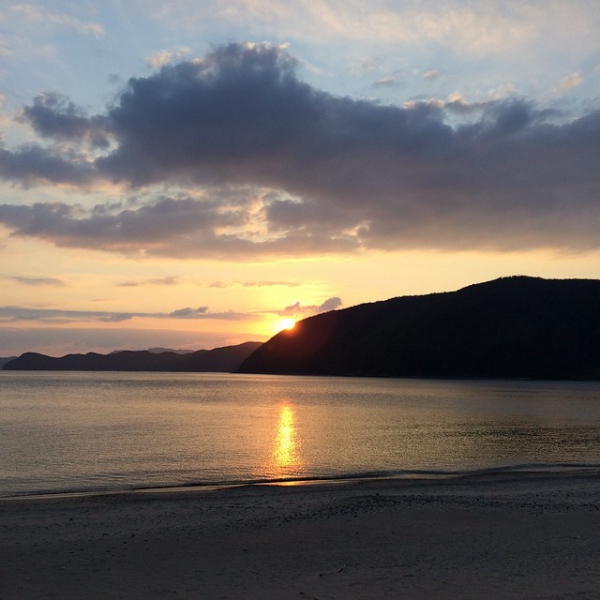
(523, 535)
(476, 475)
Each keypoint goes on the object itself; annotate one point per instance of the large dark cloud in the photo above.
(178, 227)
(345, 174)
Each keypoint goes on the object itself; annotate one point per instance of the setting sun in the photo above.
(285, 324)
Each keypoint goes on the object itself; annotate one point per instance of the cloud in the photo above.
(39, 15)
(251, 284)
(269, 165)
(479, 27)
(271, 283)
(202, 312)
(18, 313)
(10, 314)
(116, 318)
(37, 281)
(298, 309)
(570, 81)
(187, 313)
(106, 227)
(169, 280)
(55, 116)
(35, 165)
(292, 309)
(164, 57)
(366, 65)
(388, 81)
(330, 304)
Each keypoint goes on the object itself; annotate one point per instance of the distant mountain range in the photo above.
(227, 359)
(5, 359)
(516, 327)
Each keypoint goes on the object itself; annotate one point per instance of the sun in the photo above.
(285, 324)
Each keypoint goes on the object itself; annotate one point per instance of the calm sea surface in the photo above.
(114, 431)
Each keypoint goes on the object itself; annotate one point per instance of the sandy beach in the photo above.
(531, 535)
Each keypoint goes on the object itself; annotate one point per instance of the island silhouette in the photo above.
(513, 327)
(226, 359)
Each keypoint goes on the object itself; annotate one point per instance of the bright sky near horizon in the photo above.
(192, 174)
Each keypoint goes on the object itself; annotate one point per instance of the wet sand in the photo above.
(503, 536)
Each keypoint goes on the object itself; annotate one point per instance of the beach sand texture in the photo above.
(531, 535)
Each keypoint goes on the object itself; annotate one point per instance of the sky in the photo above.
(197, 173)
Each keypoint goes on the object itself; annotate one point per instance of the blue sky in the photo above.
(191, 174)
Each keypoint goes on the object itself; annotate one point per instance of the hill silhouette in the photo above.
(5, 359)
(227, 359)
(515, 327)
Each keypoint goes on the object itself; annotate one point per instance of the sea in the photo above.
(112, 431)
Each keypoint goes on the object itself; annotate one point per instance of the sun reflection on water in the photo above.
(286, 453)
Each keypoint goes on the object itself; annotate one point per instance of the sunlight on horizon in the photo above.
(284, 325)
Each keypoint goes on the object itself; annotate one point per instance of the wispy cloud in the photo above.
(252, 284)
(169, 280)
(40, 15)
(388, 81)
(271, 283)
(36, 281)
(570, 81)
(189, 313)
(48, 315)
